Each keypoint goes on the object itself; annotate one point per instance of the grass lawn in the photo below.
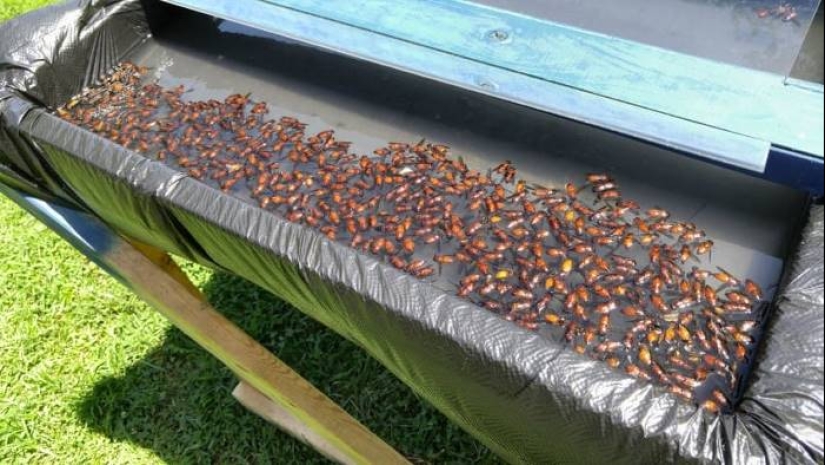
(89, 374)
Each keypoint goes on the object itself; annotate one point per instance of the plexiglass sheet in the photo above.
(760, 34)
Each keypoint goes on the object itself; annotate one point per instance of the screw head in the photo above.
(498, 35)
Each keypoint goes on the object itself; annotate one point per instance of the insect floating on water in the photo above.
(580, 261)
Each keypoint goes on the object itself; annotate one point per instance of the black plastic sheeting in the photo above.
(524, 396)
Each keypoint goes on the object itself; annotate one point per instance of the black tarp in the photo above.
(525, 396)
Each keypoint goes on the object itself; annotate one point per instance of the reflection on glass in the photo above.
(809, 64)
(760, 34)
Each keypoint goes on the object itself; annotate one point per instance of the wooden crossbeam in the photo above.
(269, 386)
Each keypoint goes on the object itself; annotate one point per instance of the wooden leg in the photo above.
(280, 416)
(153, 276)
(161, 282)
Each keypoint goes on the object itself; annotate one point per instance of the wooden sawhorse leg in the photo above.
(268, 386)
(273, 412)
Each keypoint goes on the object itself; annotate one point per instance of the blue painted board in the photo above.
(84, 232)
(735, 99)
(705, 141)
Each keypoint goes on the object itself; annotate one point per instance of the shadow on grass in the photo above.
(177, 400)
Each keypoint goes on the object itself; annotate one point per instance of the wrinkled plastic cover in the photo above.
(525, 396)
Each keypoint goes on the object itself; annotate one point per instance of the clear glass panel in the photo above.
(809, 64)
(759, 34)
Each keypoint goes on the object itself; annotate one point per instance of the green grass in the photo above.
(11, 8)
(89, 374)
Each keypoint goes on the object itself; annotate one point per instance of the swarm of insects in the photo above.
(619, 283)
(785, 11)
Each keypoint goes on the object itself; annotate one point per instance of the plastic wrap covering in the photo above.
(77, 39)
(527, 397)
(48, 56)
(786, 395)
